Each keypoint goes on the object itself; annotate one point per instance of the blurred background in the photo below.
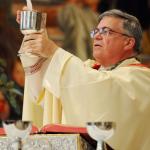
(69, 23)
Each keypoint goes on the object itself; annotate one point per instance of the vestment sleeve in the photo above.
(67, 70)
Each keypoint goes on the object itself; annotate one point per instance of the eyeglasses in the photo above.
(105, 31)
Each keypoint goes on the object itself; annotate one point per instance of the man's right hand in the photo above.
(38, 43)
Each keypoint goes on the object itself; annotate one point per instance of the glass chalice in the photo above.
(100, 131)
(17, 131)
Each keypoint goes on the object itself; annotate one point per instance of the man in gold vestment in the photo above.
(72, 92)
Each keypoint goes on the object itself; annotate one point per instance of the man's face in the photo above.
(108, 48)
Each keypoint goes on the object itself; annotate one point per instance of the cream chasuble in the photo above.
(121, 95)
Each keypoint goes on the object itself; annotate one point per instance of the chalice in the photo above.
(31, 22)
(100, 131)
(17, 131)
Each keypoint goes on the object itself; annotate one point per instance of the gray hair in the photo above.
(130, 24)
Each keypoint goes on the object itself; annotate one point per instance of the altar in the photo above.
(49, 142)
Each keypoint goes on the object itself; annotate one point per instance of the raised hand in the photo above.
(39, 44)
